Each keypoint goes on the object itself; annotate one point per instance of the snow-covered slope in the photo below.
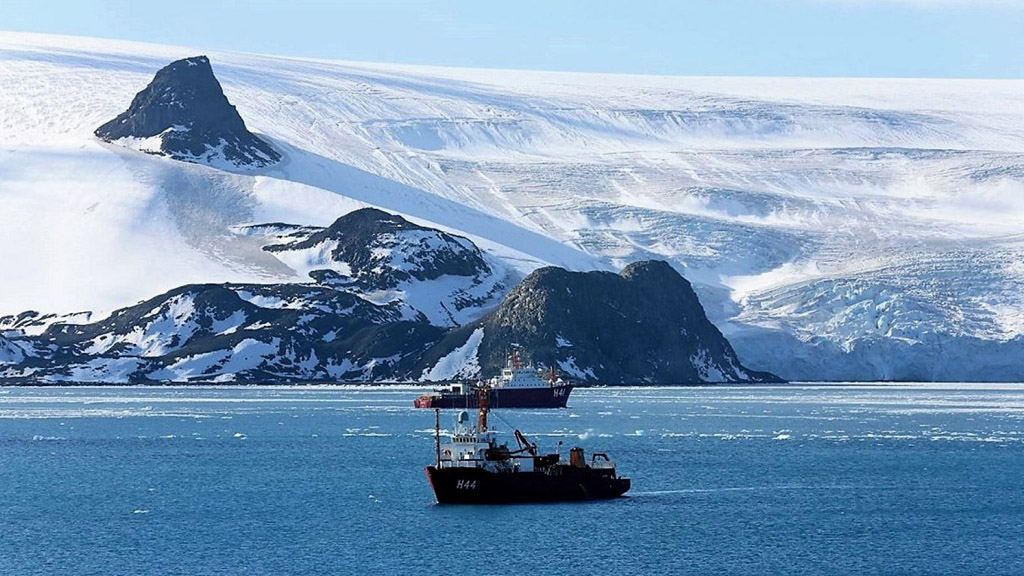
(93, 226)
(430, 275)
(815, 218)
(225, 333)
(10, 353)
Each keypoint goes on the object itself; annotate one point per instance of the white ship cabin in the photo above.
(468, 448)
(515, 374)
(458, 388)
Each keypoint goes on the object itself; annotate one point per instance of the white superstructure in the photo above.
(516, 374)
(477, 447)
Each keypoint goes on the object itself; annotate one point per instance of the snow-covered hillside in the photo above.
(226, 333)
(817, 219)
(430, 275)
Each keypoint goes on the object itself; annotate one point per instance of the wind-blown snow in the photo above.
(463, 362)
(164, 328)
(569, 367)
(10, 353)
(436, 299)
(35, 323)
(706, 368)
(215, 366)
(315, 258)
(830, 226)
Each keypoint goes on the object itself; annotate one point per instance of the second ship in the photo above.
(474, 469)
(518, 386)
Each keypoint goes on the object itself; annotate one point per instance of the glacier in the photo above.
(835, 229)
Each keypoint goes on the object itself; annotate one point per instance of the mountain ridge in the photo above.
(286, 333)
(900, 198)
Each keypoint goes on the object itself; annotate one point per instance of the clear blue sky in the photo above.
(909, 38)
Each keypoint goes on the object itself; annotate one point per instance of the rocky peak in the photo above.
(652, 270)
(381, 250)
(644, 325)
(183, 113)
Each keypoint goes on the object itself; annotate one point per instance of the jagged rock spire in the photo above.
(183, 113)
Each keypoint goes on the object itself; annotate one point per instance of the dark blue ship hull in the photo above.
(540, 397)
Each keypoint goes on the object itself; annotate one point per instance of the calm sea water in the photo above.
(780, 480)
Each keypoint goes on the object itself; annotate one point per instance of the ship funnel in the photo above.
(576, 458)
(462, 418)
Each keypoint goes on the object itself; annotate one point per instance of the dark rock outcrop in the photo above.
(644, 325)
(185, 108)
(440, 278)
(235, 333)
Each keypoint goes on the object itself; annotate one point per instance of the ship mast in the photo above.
(484, 402)
(437, 435)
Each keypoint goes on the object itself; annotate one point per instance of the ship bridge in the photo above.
(469, 447)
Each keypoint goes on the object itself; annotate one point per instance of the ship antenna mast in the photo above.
(437, 435)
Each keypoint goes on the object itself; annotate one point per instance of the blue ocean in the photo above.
(902, 479)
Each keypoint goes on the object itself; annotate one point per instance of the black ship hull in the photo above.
(477, 486)
(540, 397)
